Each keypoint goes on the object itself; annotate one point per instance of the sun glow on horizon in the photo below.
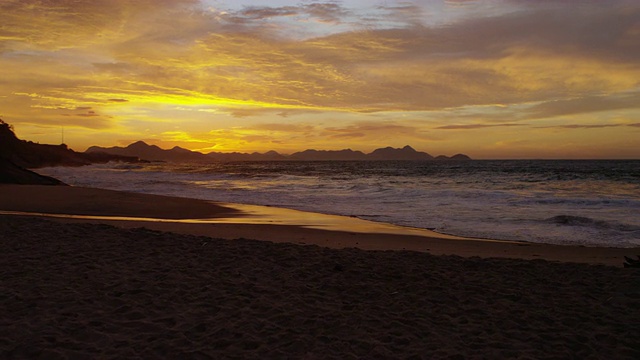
(498, 79)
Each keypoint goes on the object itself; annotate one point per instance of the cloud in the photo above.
(476, 126)
(181, 136)
(284, 127)
(373, 130)
(70, 23)
(261, 13)
(459, 2)
(89, 113)
(587, 104)
(525, 56)
(522, 57)
(583, 126)
(400, 15)
(324, 12)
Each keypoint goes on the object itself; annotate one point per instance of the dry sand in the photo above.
(95, 291)
(81, 290)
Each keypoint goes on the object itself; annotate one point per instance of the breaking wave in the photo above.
(569, 220)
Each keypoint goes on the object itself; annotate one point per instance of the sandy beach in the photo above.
(104, 288)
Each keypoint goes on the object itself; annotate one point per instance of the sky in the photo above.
(493, 79)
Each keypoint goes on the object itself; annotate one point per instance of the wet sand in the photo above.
(233, 221)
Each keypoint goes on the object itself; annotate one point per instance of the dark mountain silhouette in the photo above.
(456, 157)
(142, 150)
(327, 155)
(406, 153)
(145, 151)
(459, 157)
(148, 152)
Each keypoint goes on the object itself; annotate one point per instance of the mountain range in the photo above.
(144, 151)
(17, 156)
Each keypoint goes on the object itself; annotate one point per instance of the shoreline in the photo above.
(235, 221)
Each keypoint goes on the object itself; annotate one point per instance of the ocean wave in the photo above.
(572, 201)
(571, 220)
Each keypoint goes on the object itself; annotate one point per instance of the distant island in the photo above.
(144, 151)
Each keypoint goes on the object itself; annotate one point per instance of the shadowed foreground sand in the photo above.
(96, 291)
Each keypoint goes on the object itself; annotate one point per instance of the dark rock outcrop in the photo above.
(11, 173)
(17, 155)
(27, 154)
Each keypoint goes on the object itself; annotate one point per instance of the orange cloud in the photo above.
(475, 126)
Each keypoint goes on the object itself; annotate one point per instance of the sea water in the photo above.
(591, 203)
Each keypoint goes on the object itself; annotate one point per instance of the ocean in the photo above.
(577, 202)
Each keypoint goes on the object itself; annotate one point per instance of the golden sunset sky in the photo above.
(491, 79)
